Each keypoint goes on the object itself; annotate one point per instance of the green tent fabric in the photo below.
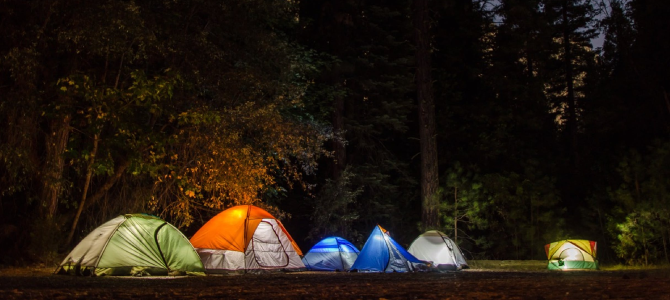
(133, 244)
(572, 265)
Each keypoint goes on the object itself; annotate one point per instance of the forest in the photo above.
(496, 122)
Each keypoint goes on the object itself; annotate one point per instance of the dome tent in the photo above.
(572, 255)
(246, 237)
(381, 253)
(331, 254)
(133, 244)
(436, 247)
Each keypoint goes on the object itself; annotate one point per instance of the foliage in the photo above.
(505, 215)
(371, 76)
(232, 157)
(462, 201)
(334, 210)
(193, 105)
(641, 216)
(183, 107)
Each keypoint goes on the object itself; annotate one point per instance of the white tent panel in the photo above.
(214, 259)
(270, 248)
(87, 252)
(432, 248)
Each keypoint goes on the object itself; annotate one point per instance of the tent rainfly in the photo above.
(436, 247)
(244, 238)
(381, 253)
(572, 255)
(331, 254)
(133, 244)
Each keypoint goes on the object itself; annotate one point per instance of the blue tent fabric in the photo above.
(408, 256)
(331, 254)
(383, 254)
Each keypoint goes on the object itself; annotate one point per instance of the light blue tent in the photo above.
(331, 254)
(383, 254)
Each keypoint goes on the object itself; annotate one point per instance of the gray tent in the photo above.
(436, 247)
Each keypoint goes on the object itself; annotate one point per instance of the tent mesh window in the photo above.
(570, 254)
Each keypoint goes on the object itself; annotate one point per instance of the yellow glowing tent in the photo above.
(246, 237)
(571, 255)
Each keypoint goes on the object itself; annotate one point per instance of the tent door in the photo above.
(347, 256)
(268, 249)
(396, 263)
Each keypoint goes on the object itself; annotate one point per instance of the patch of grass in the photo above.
(511, 265)
(620, 267)
(27, 271)
(540, 265)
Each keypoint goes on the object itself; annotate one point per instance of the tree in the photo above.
(573, 23)
(495, 120)
(461, 200)
(192, 105)
(625, 122)
(640, 218)
(371, 75)
(649, 46)
(426, 105)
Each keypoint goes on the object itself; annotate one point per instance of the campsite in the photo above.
(245, 253)
(334, 148)
(499, 280)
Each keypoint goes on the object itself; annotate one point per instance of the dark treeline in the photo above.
(496, 122)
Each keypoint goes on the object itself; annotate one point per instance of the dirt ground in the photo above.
(467, 284)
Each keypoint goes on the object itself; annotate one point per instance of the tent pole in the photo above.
(246, 225)
(159, 246)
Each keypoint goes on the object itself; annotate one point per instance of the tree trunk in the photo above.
(339, 151)
(56, 143)
(644, 244)
(665, 247)
(335, 28)
(569, 78)
(667, 100)
(89, 174)
(120, 169)
(429, 171)
(532, 230)
(455, 214)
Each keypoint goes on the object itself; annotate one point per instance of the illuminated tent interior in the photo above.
(133, 244)
(381, 253)
(331, 254)
(243, 238)
(436, 247)
(572, 255)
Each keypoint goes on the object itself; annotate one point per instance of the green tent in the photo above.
(133, 244)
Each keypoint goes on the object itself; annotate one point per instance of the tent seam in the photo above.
(102, 252)
(158, 245)
(189, 243)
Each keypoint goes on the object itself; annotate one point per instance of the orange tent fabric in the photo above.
(233, 228)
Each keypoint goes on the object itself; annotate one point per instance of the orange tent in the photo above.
(246, 237)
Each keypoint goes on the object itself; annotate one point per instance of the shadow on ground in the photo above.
(35, 283)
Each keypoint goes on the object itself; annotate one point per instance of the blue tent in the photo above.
(331, 254)
(383, 254)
